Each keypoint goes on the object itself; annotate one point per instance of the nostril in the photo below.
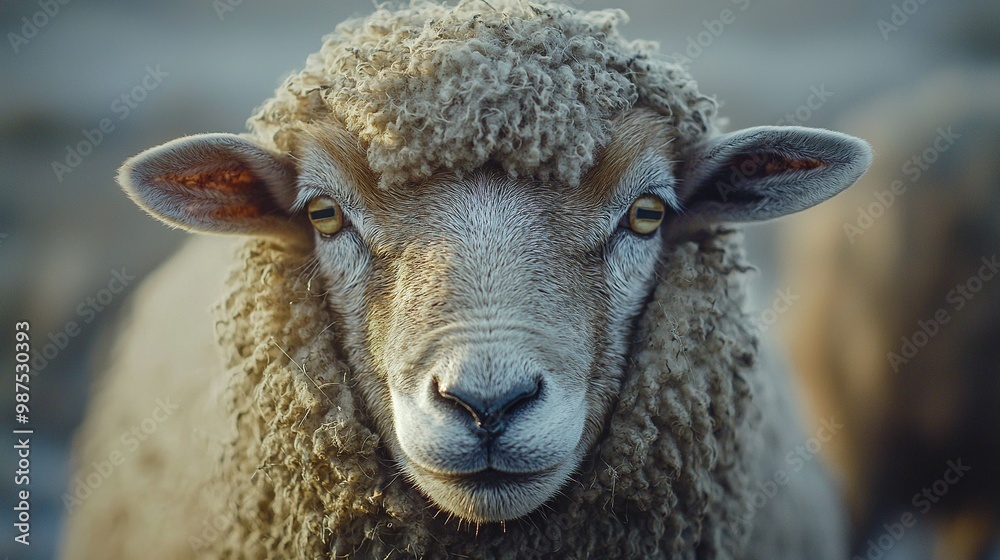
(520, 398)
(473, 406)
(489, 412)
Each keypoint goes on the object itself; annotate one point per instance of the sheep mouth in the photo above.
(489, 495)
(492, 479)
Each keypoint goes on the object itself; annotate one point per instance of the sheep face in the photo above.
(486, 318)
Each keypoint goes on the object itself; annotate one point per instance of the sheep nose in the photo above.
(490, 412)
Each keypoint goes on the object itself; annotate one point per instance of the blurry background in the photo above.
(83, 85)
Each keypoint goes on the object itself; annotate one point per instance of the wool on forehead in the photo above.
(531, 87)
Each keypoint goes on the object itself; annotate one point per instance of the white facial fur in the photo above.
(486, 319)
(480, 289)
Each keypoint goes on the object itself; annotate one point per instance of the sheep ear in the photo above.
(769, 171)
(215, 183)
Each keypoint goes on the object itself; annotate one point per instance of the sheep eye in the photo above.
(325, 215)
(645, 215)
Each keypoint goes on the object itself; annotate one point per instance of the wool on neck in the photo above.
(307, 474)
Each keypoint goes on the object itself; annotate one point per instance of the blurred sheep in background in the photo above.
(897, 332)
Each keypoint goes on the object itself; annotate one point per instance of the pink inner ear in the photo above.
(220, 196)
(782, 164)
(230, 181)
(762, 164)
(214, 183)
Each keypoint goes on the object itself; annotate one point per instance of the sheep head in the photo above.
(487, 320)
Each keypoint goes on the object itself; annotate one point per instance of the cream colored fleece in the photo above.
(531, 87)
(311, 474)
(272, 454)
(285, 463)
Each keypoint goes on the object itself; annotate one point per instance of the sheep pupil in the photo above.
(646, 214)
(323, 213)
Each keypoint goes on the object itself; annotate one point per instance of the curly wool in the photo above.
(530, 87)
(309, 476)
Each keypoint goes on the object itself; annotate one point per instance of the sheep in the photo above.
(916, 389)
(491, 306)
